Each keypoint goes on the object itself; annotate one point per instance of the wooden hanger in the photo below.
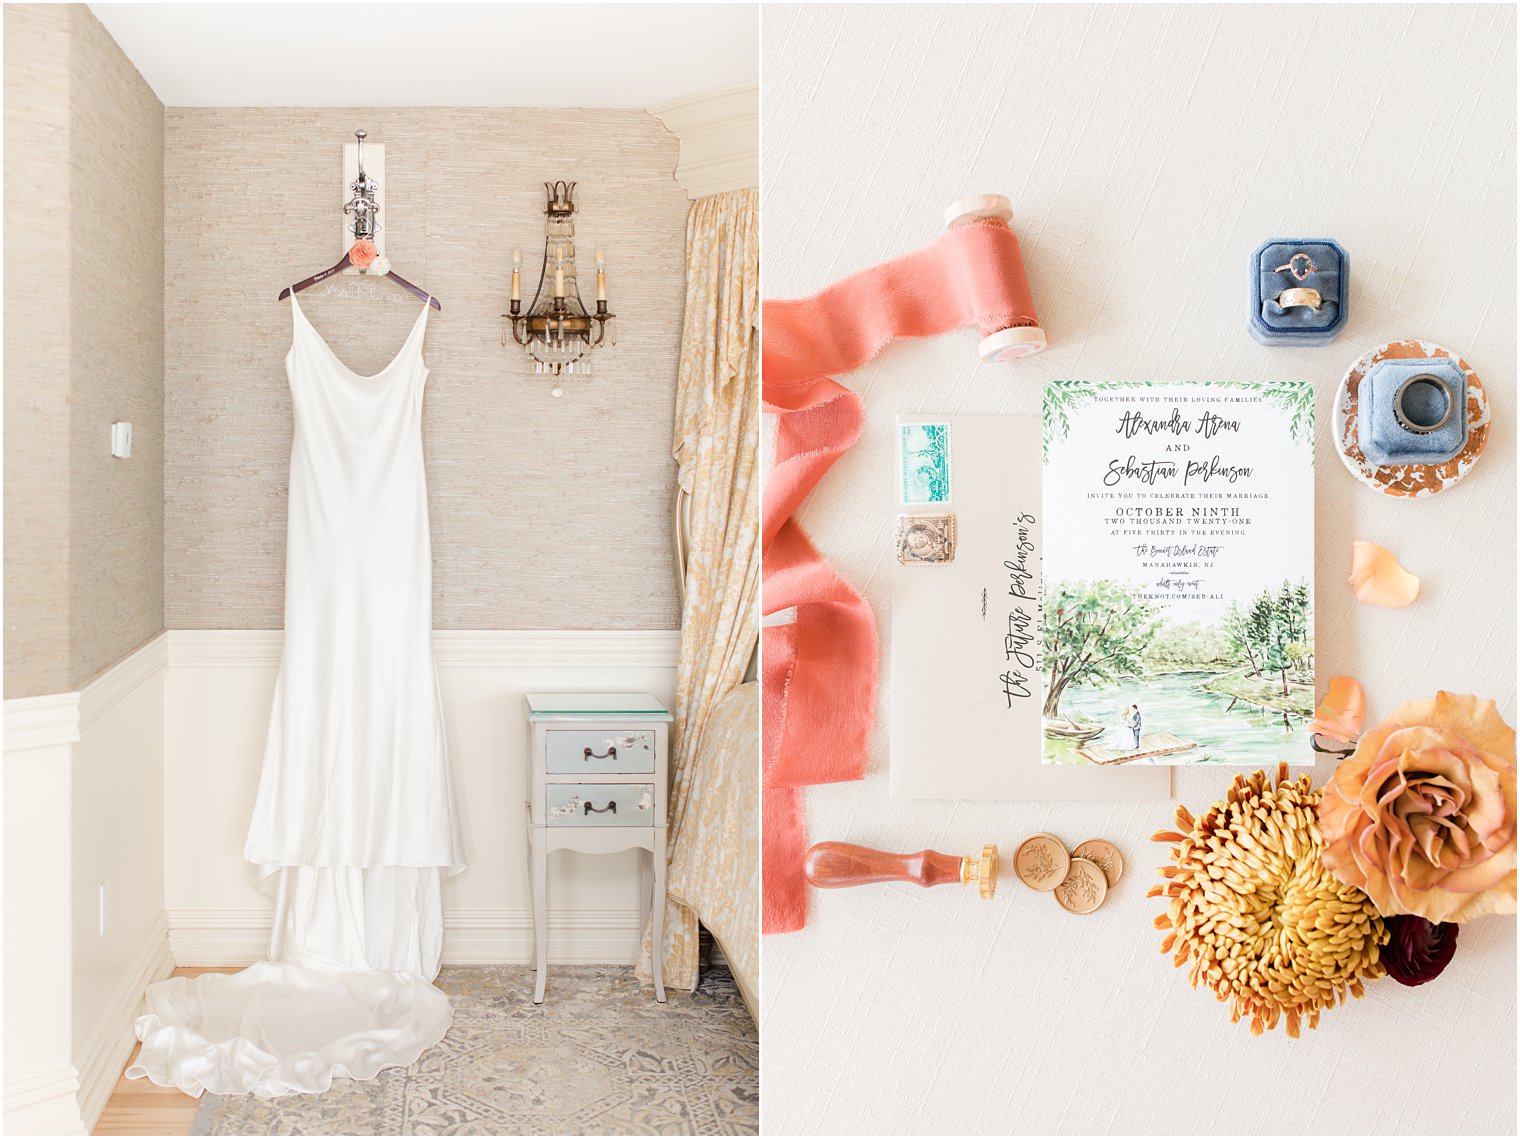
(345, 263)
(364, 207)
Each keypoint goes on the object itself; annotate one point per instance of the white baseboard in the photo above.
(222, 938)
(111, 1042)
(44, 1105)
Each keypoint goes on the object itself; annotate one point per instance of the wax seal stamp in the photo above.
(1084, 887)
(1106, 855)
(833, 865)
(925, 539)
(1041, 861)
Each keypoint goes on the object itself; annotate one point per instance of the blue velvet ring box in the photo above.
(1269, 322)
(1384, 440)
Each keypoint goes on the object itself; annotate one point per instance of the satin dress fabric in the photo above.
(354, 826)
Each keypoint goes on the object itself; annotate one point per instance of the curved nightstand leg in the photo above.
(657, 915)
(540, 884)
(646, 889)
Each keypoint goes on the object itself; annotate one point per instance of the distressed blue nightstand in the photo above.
(600, 766)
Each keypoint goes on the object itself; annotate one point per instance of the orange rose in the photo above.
(361, 253)
(1422, 816)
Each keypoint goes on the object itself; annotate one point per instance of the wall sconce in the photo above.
(557, 330)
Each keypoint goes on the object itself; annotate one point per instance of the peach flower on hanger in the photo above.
(1422, 816)
(1378, 578)
(361, 253)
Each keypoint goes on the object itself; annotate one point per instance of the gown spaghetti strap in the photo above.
(354, 825)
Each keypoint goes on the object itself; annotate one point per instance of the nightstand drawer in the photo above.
(600, 753)
(600, 804)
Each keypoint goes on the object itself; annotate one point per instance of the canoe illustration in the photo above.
(1067, 729)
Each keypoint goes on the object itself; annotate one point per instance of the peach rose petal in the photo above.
(1378, 579)
(1342, 712)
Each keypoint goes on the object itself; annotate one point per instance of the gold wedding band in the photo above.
(1295, 298)
(1299, 271)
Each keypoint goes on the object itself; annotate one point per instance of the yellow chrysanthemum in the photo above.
(1250, 902)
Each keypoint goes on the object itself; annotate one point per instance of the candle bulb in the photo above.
(601, 275)
(517, 273)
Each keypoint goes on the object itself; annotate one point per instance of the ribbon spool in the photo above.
(1010, 343)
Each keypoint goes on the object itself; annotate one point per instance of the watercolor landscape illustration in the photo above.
(1125, 684)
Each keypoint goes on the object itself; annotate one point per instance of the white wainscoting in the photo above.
(219, 687)
(144, 780)
(83, 807)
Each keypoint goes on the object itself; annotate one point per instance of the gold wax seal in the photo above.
(1084, 888)
(1041, 861)
(1106, 855)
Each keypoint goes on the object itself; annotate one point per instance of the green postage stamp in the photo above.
(923, 463)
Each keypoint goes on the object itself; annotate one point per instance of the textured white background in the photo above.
(1148, 150)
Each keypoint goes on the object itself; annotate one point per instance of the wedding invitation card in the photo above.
(1178, 608)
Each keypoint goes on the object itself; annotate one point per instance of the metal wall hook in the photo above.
(363, 207)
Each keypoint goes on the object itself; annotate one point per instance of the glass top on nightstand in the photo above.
(602, 703)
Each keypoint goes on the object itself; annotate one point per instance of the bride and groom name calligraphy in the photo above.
(1152, 471)
(1019, 679)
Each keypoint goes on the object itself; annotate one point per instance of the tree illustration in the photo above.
(1095, 632)
(1273, 632)
(1237, 627)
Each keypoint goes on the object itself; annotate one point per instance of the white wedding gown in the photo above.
(354, 826)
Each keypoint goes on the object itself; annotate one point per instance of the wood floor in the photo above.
(141, 1107)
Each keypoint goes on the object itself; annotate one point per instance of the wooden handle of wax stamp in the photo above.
(831, 865)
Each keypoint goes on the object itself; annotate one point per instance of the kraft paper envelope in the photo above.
(966, 693)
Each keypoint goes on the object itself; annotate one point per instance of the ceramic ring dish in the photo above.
(1407, 480)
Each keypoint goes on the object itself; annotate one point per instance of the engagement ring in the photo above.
(1299, 271)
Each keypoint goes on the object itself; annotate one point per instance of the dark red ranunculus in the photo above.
(1417, 949)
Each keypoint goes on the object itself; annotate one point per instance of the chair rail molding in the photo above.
(720, 138)
(452, 648)
(41, 721)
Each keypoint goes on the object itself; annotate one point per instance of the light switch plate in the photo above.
(121, 440)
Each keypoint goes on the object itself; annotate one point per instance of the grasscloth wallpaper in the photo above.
(545, 513)
(83, 347)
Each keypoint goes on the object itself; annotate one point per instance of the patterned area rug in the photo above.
(598, 1057)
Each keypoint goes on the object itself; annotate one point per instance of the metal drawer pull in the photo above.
(611, 806)
(610, 753)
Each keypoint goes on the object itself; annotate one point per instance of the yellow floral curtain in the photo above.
(717, 449)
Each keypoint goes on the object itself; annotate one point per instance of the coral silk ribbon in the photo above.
(819, 672)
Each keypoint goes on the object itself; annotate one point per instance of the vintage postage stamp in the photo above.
(923, 463)
(925, 539)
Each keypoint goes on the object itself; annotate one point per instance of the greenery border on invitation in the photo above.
(1064, 398)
